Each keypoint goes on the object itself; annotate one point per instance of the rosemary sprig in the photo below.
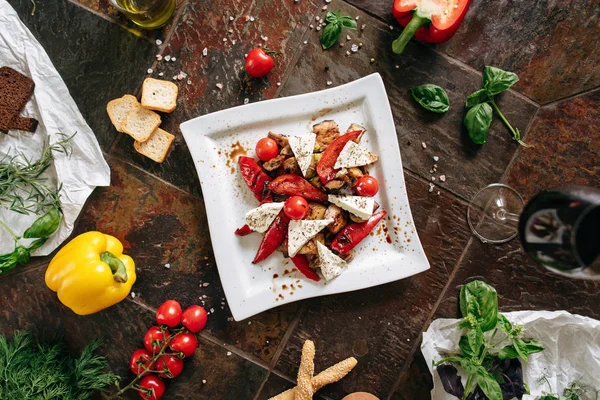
(22, 188)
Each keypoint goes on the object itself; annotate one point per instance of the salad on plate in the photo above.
(316, 197)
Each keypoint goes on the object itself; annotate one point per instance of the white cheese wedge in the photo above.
(303, 147)
(300, 232)
(330, 264)
(260, 218)
(360, 206)
(353, 155)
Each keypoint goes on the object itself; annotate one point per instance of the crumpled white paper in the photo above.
(572, 350)
(56, 111)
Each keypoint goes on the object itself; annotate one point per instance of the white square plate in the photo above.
(393, 251)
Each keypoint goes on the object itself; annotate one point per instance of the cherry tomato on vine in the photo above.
(169, 366)
(367, 186)
(141, 359)
(152, 387)
(266, 148)
(194, 318)
(296, 207)
(169, 314)
(185, 343)
(155, 339)
(258, 63)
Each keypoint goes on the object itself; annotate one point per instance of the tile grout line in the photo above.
(430, 317)
(571, 97)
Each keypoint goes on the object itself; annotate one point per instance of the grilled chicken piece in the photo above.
(316, 211)
(348, 256)
(311, 246)
(290, 166)
(327, 132)
(273, 163)
(339, 218)
(286, 151)
(280, 139)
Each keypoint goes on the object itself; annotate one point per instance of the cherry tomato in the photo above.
(184, 343)
(152, 387)
(258, 63)
(367, 186)
(296, 207)
(169, 365)
(266, 148)
(194, 318)
(169, 314)
(140, 361)
(155, 339)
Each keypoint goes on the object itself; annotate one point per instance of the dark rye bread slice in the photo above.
(24, 123)
(15, 91)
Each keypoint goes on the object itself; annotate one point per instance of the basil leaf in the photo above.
(348, 22)
(450, 380)
(37, 244)
(331, 17)
(463, 343)
(478, 121)
(480, 96)
(508, 352)
(45, 225)
(488, 385)
(525, 347)
(504, 324)
(476, 339)
(496, 80)
(330, 34)
(485, 296)
(431, 97)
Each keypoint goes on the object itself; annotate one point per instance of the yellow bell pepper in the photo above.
(91, 273)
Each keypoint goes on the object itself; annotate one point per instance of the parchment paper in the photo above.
(572, 350)
(54, 108)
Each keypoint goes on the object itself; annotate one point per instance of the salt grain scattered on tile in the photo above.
(329, 83)
(174, 77)
(305, 42)
(317, 18)
(431, 186)
(433, 178)
(132, 295)
(204, 381)
(357, 17)
(212, 310)
(354, 48)
(391, 28)
(158, 57)
(204, 51)
(251, 19)
(167, 58)
(278, 83)
(311, 26)
(230, 31)
(318, 28)
(247, 18)
(341, 44)
(246, 101)
(348, 37)
(443, 178)
(396, 66)
(436, 158)
(324, 8)
(167, 265)
(150, 70)
(249, 322)
(161, 73)
(424, 145)
(228, 353)
(224, 39)
(362, 27)
(158, 42)
(205, 284)
(173, 59)
(231, 18)
(372, 60)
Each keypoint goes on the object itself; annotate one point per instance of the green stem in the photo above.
(9, 231)
(409, 30)
(515, 132)
(116, 266)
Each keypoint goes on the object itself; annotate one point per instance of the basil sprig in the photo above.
(489, 351)
(431, 97)
(480, 104)
(332, 31)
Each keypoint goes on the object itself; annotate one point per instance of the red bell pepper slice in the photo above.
(301, 262)
(430, 21)
(325, 168)
(295, 185)
(254, 176)
(244, 230)
(274, 236)
(353, 234)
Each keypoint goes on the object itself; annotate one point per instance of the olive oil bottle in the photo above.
(149, 14)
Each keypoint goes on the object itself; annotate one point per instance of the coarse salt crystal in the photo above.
(433, 178)
(230, 31)
(205, 284)
(179, 77)
(311, 26)
(396, 66)
(372, 60)
(348, 53)
(362, 27)
(305, 42)
(342, 44)
(327, 1)
(161, 73)
(224, 39)
(354, 48)
(278, 83)
(391, 28)
(158, 42)
(246, 101)
(357, 17)
(167, 265)
(204, 51)
(317, 18)
(318, 28)
(329, 83)
(204, 381)
(150, 70)
(228, 353)
(264, 38)
(249, 322)
(231, 18)
(424, 145)
(167, 58)
(443, 178)
(212, 310)
(431, 186)
(324, 8)
(189, 82)
(436, 158)
(132, 295)
(251, 19)
(233, 41)
(348, 37)
(158, 57)
(174, 77)
(173, 59)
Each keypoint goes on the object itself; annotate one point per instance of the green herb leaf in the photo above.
(480, 96)
(465, 347)
(431, 97)
(330, 34)
(476, 339)
(486, 297)
(331, 16)
(488, 385)
(348, 22)
(478, 121)
(497, 81)
(504, 324)
(526, 347)
(45, 225)
(508, 352)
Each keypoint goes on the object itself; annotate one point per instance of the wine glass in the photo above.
(493, 213)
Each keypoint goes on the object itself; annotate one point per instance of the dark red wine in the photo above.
(560, 229)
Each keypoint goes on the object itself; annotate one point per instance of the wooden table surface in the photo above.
(158, 211)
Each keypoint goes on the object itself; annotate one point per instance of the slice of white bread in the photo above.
(157, 146)
(140, 123)
(159, 95)
(118, 108)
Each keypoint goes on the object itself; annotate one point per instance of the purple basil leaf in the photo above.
(450, 380)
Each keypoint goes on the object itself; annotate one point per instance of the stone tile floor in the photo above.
(158, 211)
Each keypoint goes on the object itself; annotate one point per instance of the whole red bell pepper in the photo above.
(353, 234)
(274, 236)
(301, 262)
(295, 185)
(325, 168)
(254, 176)
(430, 21)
